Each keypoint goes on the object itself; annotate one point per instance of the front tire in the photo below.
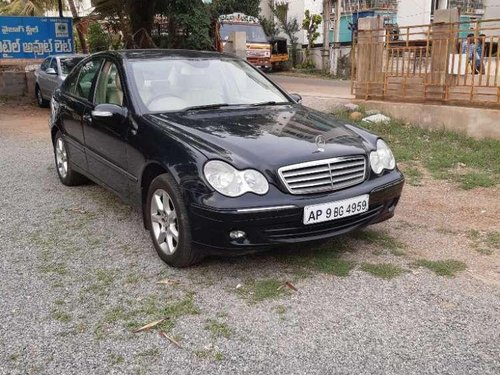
(42, 103)
(63, 166)
(168, 223)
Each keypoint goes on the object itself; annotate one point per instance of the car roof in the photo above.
(68, 55)
(132, 54)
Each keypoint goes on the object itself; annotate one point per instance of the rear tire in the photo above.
(42, 103)
(63, 164)
(168, 222)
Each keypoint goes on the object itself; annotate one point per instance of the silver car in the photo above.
(51, 74)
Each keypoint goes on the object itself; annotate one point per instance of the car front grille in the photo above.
(323, 175)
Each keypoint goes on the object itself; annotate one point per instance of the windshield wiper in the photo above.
(207, 106)
(269, 103)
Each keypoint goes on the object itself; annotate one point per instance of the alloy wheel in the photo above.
(164, 221)
(61, 158)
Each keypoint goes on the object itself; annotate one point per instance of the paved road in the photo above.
(78, 274)
(314, 87)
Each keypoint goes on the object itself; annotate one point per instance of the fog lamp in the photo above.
(237, 234)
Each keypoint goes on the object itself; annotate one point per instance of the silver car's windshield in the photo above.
(178, 84)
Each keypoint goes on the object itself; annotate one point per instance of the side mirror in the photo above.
(297, 98)
(111, 111)
(51, 71)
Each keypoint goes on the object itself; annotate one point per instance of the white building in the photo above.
(296, 8)
(83, 7)
(420, 12)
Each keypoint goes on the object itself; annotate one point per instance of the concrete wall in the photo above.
(474, 122)
(17, 84)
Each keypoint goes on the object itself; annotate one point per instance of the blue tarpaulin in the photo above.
(35, 37)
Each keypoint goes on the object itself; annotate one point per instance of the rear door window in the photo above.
(109, 88)
(53, 64)
(45, 64)
(82, 87)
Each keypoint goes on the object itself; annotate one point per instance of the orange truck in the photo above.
(257, 46)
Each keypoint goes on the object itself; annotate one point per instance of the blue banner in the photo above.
(35, 37)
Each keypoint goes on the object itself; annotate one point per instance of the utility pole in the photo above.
(327, 6)
(336, 40)
(59, 3)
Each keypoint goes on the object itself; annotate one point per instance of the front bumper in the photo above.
(260, 62)
(210, 226)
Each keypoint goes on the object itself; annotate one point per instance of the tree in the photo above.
(79, 31)
(289, 26)
(115, 13)
(270, 27)
(248, 7)
(142, 13)
(27, 7)
(134, 18)
(311, 24)
(188, 22)
(98, 39)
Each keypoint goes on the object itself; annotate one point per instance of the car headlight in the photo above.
(382, 158)
(232, 182)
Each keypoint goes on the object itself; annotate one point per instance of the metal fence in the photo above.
(443, 62)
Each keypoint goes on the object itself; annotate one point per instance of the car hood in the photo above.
(264, 137)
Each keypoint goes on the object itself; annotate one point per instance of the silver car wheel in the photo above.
(164, 221)
(61, 158)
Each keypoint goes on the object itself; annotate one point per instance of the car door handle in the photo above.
(87, 118)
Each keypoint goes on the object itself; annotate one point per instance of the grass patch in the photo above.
(493, 239)
(484, 243)
(218, 329)
(382, 270)
(473, 180)
(186, 306)
(260, 290)
(102, 281)
(381, 239)
(446, 155)
(218, 356)
(115, 314)
(449, 267)
(308, 72)
(413, 176)
(61, 316)
(116, 359)
(326, 259)
(210, 353)
(58, 268)
(152, 310)
(334, 266)
(155, 352)
(446, 231)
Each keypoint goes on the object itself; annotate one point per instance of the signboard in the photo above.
(35, 37)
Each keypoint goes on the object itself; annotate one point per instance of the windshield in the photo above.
(255, 33)
(178, 84)
(69, 63)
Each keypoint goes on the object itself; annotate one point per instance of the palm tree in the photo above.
(28, 7)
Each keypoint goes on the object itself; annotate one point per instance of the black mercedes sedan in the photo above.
(218, 157)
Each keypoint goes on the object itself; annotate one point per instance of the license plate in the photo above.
(335, 210)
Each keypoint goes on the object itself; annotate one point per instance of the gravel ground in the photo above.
(78, 274)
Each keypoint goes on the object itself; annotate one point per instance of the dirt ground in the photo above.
(80, 277)
(439, 214)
